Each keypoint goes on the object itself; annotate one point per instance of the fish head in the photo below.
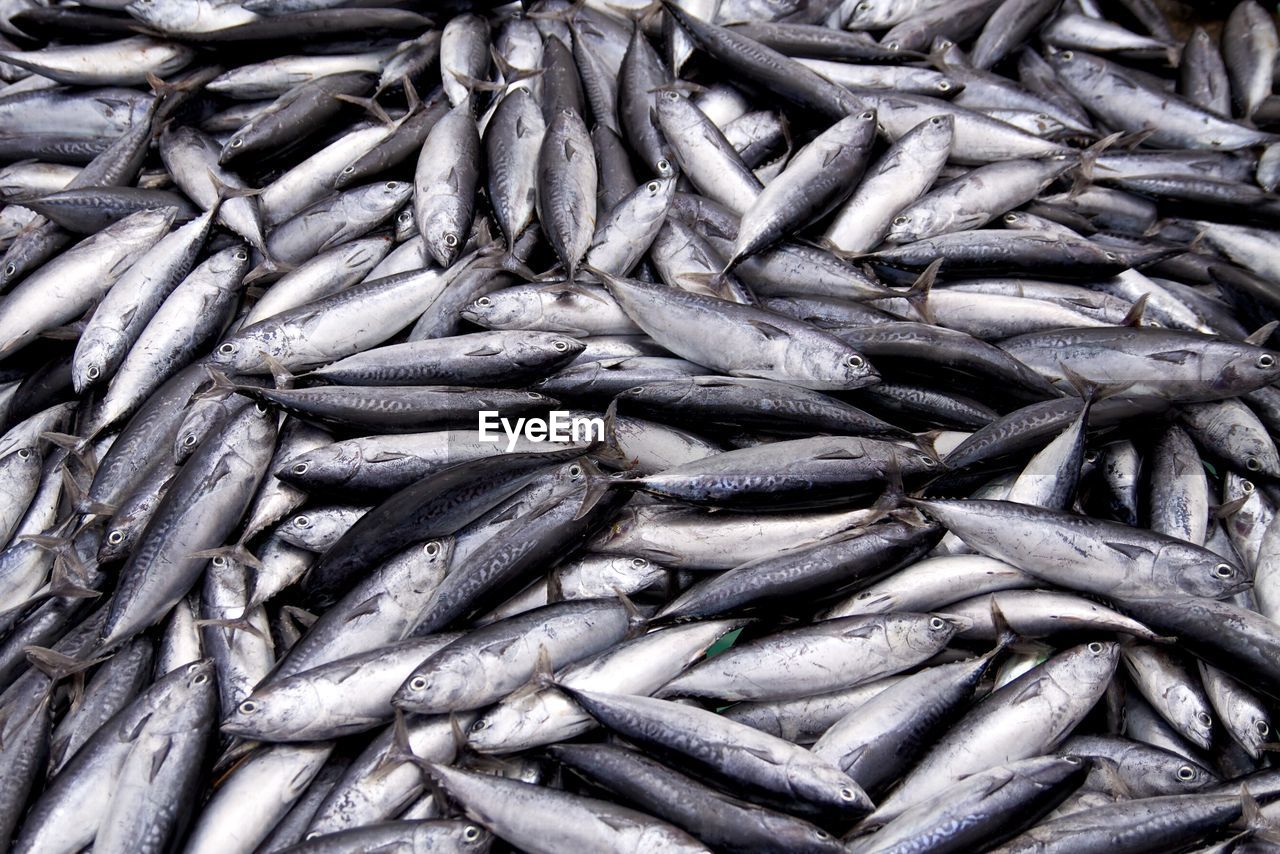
(513, 308)
(175, 15)
(538, 349)
(830, 364)
(119, 539)
(1086, 668)
(1200, 572)
(461, 836)
(825, 784)
(932, 634)
(437, 690)
(439, 231)
(1252, 368)
(910, 225)
(90, 362)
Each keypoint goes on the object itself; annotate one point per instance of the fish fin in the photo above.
(918, 294)
(768, 330)
(268, 269)
(1088, 159)
(1005, 635)
(284, 379)
(70, 332)
(238, 624)
(400, 750)
(636, 621)
(1133, 317)
(1131, 552)
(1033, 690)
(1263, 334)
(484, 351)
(237, 553)
(369, 105)
(1175, 357)
(838, 453)
(301, 616)
(158, 758)
(474, 84)
(510, 73)
(597, 487)
(57, 665)
(221, 385)
(611, 452)
(226, 191)
(1227, 509)
(555, 590)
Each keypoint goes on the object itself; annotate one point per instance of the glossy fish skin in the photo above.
(837, 563)
(334, 220)
(746, 342)
(1250, 47)
(815, 181)
(444, 184)
(543, 820)
(490, 662)
(1017, 721)
(1087, 554)
(449, 499)
(198, 511)
(305, 106)
(880, 739)
(66, 287)
(705, 157)
(765, 766)
(764, 404)
(977, 810)
(1240, 641)
(566, 189)
(512, 141)
(714, 818)
(825, 657)
(550, 529)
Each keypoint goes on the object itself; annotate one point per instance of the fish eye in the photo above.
(301, 468)
(190, 440)
(302, 521)
(219, 561)
(93, 373)
(821, 834)
(1091, 456)
(935, 121)
(1224, 570)
(639, 562)
(431, 549)
(484, 302)
(200, 679)
(901, 220)
(867, 116)
(561, 346)
(1246, 486)
(944, 86)
(248, 707)
(862, 7)
(653, 186)
(241, 255)
(929, 462)
(855, 361)
(237, 142)
(847, 794)
(1067, 56)
(24, 453)
(260, 408)
(575, 470)
(11, 269)
(1010, 217)
(227, 349)
(892, 45)
(115, 538)
(937, 623)
(451, 240)
(406, 215)
(1073, 760)
(1111, 256)
(1261, 727)
(664, 166)
(1204, 719)
(348, 170)
(391, 185)
(418, 683)
(1186, 772)
(479, 725)
(1266, 360)
(671, 95)
(471, 833)
(1096, 648)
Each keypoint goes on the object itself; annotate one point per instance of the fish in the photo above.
(919, 361)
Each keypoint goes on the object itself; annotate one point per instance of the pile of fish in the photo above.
(919, 490)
